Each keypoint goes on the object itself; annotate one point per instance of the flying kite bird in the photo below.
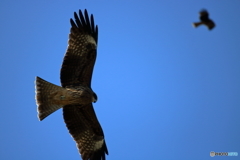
(204, 19)
(76, 95)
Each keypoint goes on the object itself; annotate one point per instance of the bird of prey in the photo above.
(76, 95)
(204, 19)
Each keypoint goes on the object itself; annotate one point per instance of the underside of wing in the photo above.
(81, 53)
(84, 127)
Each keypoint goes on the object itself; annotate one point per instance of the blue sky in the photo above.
(165, 89)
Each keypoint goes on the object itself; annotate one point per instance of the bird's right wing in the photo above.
(84, 127)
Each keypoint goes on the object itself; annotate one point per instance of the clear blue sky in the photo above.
(166, 90)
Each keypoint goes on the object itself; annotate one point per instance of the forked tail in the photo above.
(44, 97)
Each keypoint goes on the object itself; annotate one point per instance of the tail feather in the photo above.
(196, 24)
(44, 100)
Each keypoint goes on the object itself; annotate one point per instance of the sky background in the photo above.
(165, 90)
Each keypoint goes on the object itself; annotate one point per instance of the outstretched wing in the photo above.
(84, 127)
(81, 53)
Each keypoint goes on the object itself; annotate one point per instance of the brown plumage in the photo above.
(76, 96)
(204, 20)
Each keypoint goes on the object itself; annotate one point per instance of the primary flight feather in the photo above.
(76, 95)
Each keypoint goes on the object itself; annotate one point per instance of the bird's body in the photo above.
(76, 95)
(204, 20)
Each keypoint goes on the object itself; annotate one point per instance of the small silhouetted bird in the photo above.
(204, 19)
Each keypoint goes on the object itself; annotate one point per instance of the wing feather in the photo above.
(84, 127)
(78, 22)
(81, 53)
(92, 24)
(87, 20)
(82, 19)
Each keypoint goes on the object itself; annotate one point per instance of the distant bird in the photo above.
(76, 95)
(204, 19)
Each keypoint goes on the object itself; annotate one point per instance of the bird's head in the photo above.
(94, 98)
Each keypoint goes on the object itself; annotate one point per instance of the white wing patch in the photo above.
(90, 39)
(98, 144)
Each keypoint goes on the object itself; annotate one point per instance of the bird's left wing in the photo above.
(84, 127)
(81, 53)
